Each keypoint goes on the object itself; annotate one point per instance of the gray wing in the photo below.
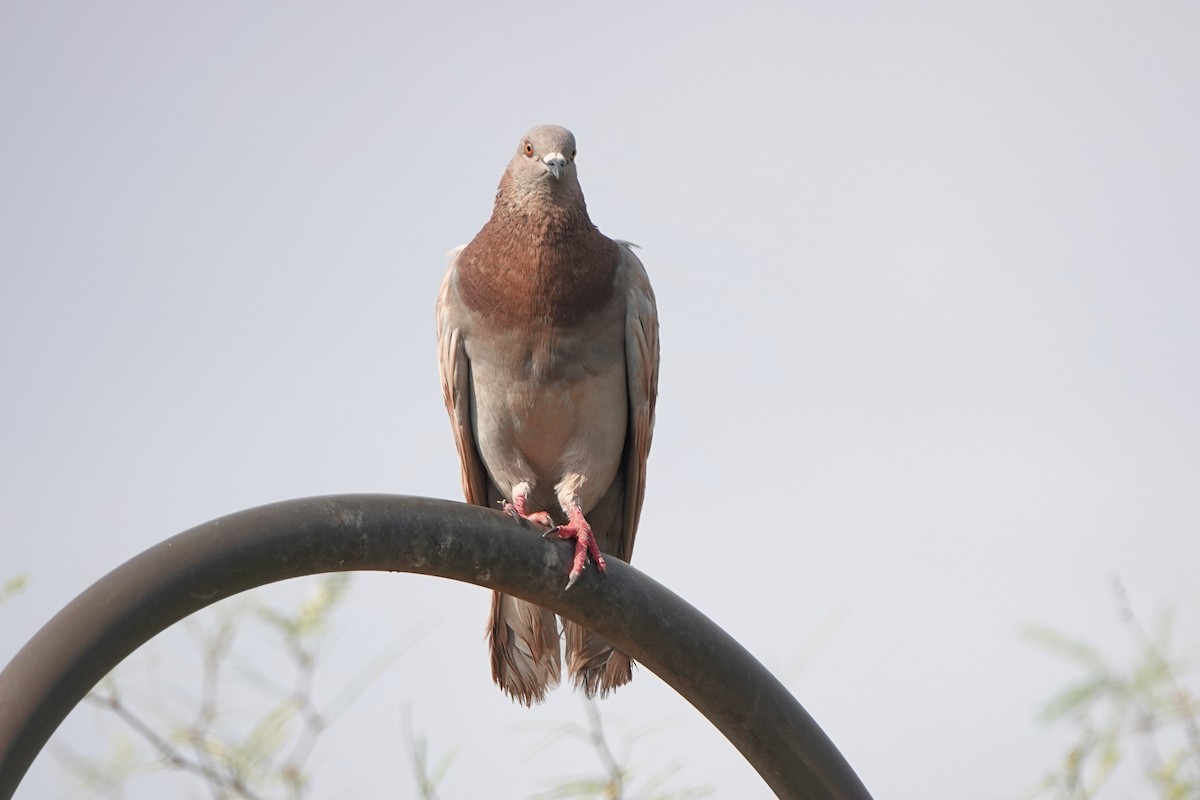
(455, 370)
(641, 371)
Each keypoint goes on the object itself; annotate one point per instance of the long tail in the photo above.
(524, 643)
(595, 665)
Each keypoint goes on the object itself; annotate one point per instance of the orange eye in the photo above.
(528, 149)
(572, 155)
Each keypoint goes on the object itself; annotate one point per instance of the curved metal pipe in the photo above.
(210, 562)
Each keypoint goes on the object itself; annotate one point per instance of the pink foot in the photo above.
(519, 508)
(577, 528)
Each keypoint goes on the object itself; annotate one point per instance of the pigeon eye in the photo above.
(528, 149)
(572, 155)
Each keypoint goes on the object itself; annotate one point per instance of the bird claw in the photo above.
(577, 529)
(518, 512)
(585, 547)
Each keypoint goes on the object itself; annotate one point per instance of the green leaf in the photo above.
(12, 586)
(1068, 647)
(266, 740)
(1076, 699)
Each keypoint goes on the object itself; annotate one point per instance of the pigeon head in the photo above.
(544, 163)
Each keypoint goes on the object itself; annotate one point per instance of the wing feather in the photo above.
(641, 370)
(455, 370)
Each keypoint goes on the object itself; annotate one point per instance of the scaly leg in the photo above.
(519, 508)
(577, 528)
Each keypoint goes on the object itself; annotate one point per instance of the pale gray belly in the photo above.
(562, 436)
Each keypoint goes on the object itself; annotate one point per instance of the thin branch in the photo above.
(314, 723)
(169, 753)
(616, 776)
(216, 650)
(1182, 697)
(418, 749)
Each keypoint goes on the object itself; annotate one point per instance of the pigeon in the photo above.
(548, 354)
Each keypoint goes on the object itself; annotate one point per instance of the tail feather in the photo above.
(595, 666)
(524, 644)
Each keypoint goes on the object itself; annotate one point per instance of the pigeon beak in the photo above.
(555, 163)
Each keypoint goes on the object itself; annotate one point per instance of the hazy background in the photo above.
(928, 278)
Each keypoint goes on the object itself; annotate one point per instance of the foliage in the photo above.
(208, 743)
(427, 778)
(617, 778)
(1144, 709)
(12, 586)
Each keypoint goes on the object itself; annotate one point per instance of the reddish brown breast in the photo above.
(547, 265)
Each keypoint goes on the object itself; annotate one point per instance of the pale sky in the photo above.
(928, 278)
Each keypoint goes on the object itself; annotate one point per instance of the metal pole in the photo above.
(210, 562)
